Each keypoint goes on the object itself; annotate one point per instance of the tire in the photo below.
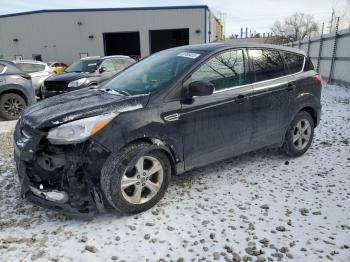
(11, 105)
(122, 168)
(299, 135)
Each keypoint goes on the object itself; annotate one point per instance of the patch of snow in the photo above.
(7, 126)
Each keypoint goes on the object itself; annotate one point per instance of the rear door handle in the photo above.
(240, 99)
(290, 87)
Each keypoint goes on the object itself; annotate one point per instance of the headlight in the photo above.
(77, 131)
(77, 83)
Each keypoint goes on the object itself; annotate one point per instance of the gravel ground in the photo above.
(262, 206)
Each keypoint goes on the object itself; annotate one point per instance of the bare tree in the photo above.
(294, 27)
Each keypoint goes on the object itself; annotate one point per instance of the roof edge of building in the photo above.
(105, 9)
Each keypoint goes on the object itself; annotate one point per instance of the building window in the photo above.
(83, 55)
(37, 57)
(18, 57)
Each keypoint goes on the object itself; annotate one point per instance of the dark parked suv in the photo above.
(118, 145)
(16, 91)
(86, 72)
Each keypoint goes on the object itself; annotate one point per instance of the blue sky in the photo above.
(258, 15)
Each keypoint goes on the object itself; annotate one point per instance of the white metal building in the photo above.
(69, 34)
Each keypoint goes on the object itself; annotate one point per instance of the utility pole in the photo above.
(241, 32)
(246, 32)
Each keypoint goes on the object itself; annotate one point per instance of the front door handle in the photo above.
(240, 99)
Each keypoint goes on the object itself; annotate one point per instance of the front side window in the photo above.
(119, 64)
(294, 62)
(268, 64)
(108, 65)
(153, 72)
(223, 71)
(89, 66)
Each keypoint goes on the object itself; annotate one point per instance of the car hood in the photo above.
(68, 77)
(79, 104)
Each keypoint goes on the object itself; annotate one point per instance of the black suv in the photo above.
(118, 145)
(86, 72)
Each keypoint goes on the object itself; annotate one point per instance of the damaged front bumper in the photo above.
(61, 178)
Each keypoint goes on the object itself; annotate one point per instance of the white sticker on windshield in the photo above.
(93, 64)
(189, 55)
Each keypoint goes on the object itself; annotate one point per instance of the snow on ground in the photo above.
(259, 205)
(5, 126)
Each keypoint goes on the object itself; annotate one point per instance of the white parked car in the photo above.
(39, 71)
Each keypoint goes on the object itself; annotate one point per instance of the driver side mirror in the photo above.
(200, 88)
(102, 69)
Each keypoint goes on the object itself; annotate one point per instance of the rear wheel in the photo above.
(11, 105)
(299, 135)
(135, 179)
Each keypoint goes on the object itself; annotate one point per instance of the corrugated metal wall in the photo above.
(331, 54)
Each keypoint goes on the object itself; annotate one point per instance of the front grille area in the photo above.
(55, 85)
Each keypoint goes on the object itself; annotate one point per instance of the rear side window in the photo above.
(294, 62)
(268, 64)
(223, 71)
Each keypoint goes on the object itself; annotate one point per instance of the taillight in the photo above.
(28, 77)
(317, 79)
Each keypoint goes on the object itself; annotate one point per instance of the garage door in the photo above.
(122, 43)
(163, 39)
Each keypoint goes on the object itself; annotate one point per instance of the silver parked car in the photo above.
(39, 71)
(16, 91)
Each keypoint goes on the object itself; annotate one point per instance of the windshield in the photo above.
(153, 72)
(89, 66)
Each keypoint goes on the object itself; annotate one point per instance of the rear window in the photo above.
(13, 69)
(308, 65)
(2, 67)
(31, 68)
(294, 62)
(268, 64)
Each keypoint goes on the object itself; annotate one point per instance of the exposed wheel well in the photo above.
(15, 91)
(155, 141)
(312, 112)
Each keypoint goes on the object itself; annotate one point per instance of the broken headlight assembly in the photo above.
(79, 130)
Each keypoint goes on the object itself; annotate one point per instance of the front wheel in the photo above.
(135, 179)
(299, 135)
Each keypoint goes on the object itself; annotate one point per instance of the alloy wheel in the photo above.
(139, 184)
(13, 106)
(301, 134)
